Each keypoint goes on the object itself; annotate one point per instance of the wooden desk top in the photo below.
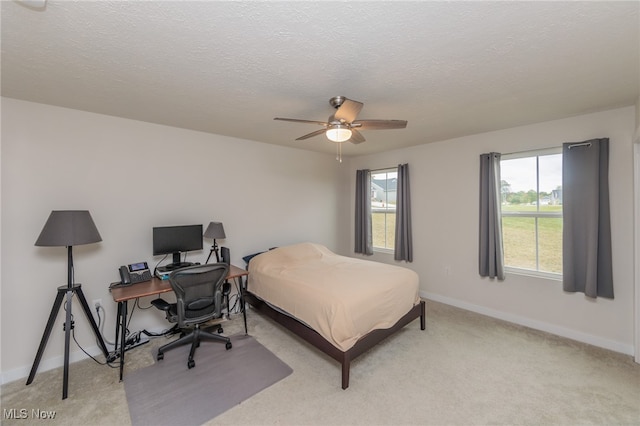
(157, 286)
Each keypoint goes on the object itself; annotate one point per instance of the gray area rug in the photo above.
(168, 393)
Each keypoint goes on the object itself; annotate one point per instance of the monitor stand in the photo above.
(173, 266)
(176, 264)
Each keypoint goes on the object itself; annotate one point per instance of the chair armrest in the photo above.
(161, 304)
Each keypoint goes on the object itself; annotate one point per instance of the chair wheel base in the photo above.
(220, 330)
(160, 357)
(191, 363)
(228, 345)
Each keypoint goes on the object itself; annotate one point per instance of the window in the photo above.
(531, 186)
(383, 208)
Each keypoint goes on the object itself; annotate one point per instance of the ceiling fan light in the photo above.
(338, 133)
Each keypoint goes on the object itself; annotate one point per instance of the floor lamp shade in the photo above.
(68, 228)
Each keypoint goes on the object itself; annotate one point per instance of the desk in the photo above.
(155, 287)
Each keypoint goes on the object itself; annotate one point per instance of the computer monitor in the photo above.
(175, 240)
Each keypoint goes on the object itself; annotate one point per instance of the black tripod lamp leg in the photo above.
(68, 325)
(45, 336)
(214, 248)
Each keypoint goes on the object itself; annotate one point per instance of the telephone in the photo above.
(135, 273)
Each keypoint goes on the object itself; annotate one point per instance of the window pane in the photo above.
(550, 244)
(378, 227)
(519, 184)
(519, 239)
(550, 167)
(532, 188)
(383, 207)
(383, 227)
(391, 230)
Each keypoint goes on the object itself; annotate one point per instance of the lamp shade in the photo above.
(215, 230)
(68, 228)
(338, 133)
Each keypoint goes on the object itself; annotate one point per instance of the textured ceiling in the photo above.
(449, 68)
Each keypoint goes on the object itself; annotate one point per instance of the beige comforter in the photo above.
(340, 297)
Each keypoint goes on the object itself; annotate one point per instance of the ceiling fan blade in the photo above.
(356, 137)
(312, 134)
(379, 124)
(295, 120)
(348, 111)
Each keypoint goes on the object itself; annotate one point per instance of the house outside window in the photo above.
(531, 187)
(384, 184)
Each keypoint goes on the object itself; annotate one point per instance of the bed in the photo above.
(341, 305)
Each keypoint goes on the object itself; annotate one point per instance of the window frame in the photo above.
(379, 249)
(536, 215)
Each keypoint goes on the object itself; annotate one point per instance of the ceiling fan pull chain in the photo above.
(339, 156)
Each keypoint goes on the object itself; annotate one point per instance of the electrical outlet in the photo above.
(97, 303)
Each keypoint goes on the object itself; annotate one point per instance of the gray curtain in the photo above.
(491, 253)
(586, 253)
(403, 243)
(363, 237)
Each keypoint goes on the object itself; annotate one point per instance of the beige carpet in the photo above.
(464, 369)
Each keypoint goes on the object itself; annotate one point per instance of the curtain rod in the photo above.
(579, 144)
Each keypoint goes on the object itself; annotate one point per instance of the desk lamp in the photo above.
(67, 228)
(214, 230)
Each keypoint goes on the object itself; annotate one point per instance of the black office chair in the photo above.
(200, 297)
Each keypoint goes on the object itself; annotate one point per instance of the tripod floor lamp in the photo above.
(67, 228)
(214, 230)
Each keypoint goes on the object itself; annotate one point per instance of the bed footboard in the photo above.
(314, 338)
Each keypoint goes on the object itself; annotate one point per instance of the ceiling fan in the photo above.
(342, 126)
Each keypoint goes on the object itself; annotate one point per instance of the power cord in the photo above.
(155, 269)
(73, 335)
(236, 307)
(101, 324)
(131, 338)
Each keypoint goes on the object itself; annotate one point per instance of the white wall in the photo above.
(636, 171)
(444, 187)
(638, 116)
(132, 176)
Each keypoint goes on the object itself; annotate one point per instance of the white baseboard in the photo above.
(536, 325)
(48, 364)
(55, 362)
(51, 363)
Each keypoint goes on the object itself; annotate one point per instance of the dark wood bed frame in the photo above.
(344, 357)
